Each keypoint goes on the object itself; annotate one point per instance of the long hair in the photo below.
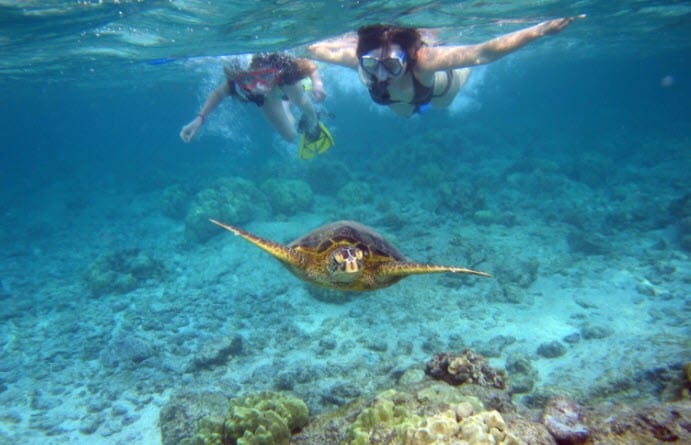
(383, 36)
(292, 69)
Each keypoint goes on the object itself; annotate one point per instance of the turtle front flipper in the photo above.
(279, 251)
(405, 268)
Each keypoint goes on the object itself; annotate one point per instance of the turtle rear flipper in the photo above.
(405, 268)
(279, 251)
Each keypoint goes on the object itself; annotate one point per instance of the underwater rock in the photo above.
(513, 277)
(649, 424)
(587, 243)
(288, 196)
(564, 419)
(121, 272)
(592, 332)
(522, 375)
(215, 352)
(551, 349)
(127, 350)
(90, 423)
(179, 417)
(466, 367)
(340, 394)
(495, 345)
(572, 339)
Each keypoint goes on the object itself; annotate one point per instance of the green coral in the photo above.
(261, 419)
(385, 419)
(231, 200)
(433, 415)
(288, 196)
(355, 193)
(121, 272)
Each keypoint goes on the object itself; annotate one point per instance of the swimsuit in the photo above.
(422, 95)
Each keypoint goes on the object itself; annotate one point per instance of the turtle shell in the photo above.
(322, 240)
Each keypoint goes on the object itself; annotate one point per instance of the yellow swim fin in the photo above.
(309, 148)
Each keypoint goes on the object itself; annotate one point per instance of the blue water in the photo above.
(573, 154)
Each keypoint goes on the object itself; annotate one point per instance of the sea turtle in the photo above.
(344, 255)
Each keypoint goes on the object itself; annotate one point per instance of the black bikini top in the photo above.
(257, 99)
(422, 95)
(379, 92)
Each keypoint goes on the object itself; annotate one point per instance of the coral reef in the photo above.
(466, 367)
(354, 193)
(288, 196)
(260, 419)
(121, 272)
(233, 199)
(428, 412)
(174, 201)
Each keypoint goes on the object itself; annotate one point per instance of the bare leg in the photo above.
(277, 113)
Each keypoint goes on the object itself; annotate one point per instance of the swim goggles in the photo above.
(264, 78)
(392, 64)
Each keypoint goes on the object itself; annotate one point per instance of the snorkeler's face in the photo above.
(382, 64)
(259, 81)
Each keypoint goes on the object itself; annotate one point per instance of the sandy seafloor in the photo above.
(563, 170)
(568, 253)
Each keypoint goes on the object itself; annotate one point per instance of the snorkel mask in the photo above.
(393, 64)
(250, 84)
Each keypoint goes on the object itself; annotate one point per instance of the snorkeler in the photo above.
(273, 82)
(402, 72)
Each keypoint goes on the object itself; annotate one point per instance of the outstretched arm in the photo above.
(340, 50)
(215, 98)
(450, 57)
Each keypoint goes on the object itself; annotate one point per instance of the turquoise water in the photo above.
(562, 169)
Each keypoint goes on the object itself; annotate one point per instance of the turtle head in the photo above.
(345, 264)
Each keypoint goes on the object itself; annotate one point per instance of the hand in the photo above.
(318, 93)
(555, 26)
(189, 130)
